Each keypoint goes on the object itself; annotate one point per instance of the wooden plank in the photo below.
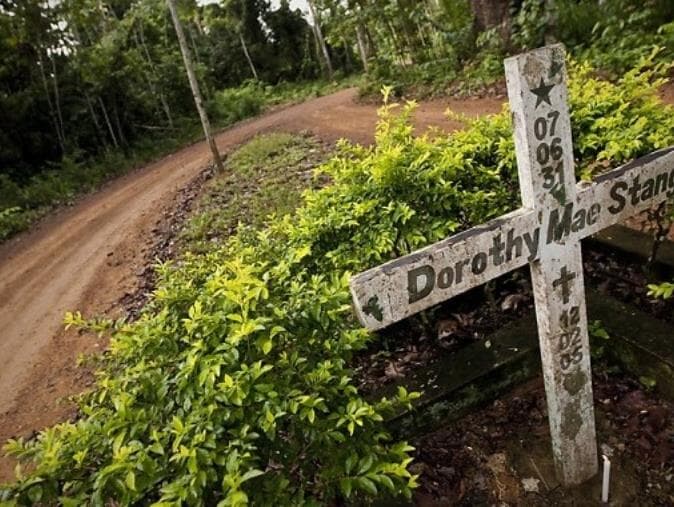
(410, 284)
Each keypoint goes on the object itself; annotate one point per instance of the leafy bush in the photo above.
(234, 104)
(663, 290)
(235, 386)
(12, 220)
(627, 31)
(10, 192)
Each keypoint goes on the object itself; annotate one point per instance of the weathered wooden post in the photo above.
(542, 127)
(546, 234)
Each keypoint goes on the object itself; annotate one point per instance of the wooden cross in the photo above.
(545, 233)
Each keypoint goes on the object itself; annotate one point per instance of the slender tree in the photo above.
(194, 84)
(320, 38)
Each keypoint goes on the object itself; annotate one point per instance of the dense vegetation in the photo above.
(234, 385)
(89, 89)
(426, 48)
(263, 178)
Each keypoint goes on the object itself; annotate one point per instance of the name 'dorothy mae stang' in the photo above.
(559, 224)
(545, 233)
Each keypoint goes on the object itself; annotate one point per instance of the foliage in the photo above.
(600, 339)
(234, 385)
(84, 80)
(11, 220)
(626, 31)
(610, 36)
(618, 123)
(76, 174)
(663, 290)
(233, 104)
(264, 177)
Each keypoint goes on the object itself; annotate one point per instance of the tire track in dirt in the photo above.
(87, 257)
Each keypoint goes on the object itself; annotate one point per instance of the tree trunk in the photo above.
(111, 131)
(347, 54)
(245, 52)
(52, 111)
(97, 125)
(319, 36)
(120, 130)
(189, 68)
(57, 97)
(361, 46)
(492, 14)
(162, 97)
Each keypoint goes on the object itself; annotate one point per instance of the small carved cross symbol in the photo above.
(564, 280)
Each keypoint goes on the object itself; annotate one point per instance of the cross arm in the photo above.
(628, 190)
(410, 284)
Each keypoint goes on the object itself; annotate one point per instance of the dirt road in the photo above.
(88, 256)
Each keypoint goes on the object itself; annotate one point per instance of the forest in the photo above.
(240, 374)
(90, 88)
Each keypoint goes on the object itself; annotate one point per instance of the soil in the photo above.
(90, 256)
(501, 455)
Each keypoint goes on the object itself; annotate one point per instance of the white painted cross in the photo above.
(545, 233)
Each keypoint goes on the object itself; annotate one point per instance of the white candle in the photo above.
(605, 482)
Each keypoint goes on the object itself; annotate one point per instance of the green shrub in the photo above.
(12, 220)
(234, 104)
(663, 290)
(234, 386)
(10, 192)
(627, 32)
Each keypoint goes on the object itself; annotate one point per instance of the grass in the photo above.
(264, 177)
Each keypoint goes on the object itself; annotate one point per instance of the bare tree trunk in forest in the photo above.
(319, 36)
(198, 101)
(57, 97)
(97, 125)
(361, 46)
(396, 44)
(371, 47)
(120, 130)
(162, 96)
(347, 54)
(111, 131)
(245, 52)
(194, 45)
(492, 14)
(52, 111)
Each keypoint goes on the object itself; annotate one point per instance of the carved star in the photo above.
(542, 93)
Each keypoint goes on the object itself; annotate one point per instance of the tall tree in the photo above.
(320, 38)
(194, 84)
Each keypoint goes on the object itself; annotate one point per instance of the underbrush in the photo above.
(235, 384)
(234, 104)
(59, 184)
(263, 178)
(612, 37)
